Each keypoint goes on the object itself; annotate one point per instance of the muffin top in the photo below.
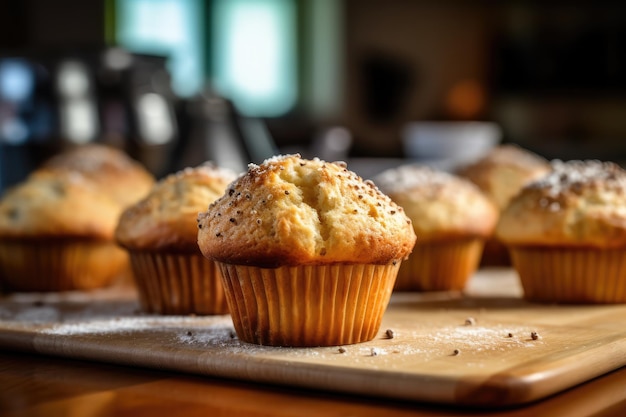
(504, 171)
(114, 172)
(290, 211)
(166, 218)
(57, 205)
(581, 203)
(442, 206)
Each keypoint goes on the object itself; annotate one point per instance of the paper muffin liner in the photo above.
(60, 265)
(571, 275)
(178, 283)
(495, 253)
(440, 266)
(321, 305)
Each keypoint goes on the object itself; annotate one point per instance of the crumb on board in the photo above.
(470, 321)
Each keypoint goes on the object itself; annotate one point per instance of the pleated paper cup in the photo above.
(178, 283)
(571, 275)
(440, 266)
(495, 253)
(321, 305)
(59, 264)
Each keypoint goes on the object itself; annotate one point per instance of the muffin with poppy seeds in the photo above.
(308, 250)
(160, 234)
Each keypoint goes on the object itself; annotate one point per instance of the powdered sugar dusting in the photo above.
(419, 345)
(130, 324)
(413, 176)
(571, 175)
(482, 338)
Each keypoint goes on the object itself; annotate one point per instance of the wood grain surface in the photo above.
(473, 348)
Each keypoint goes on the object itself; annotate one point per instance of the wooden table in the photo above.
(46, 386)
(35, 384)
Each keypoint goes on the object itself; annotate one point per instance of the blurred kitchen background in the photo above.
(175, 82)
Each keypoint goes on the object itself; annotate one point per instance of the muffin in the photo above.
(61, 218)
(308, 251)
(56, 234)
(500, 175)
(113, 171)
(567, 234)
(160, 234)
(452, 219)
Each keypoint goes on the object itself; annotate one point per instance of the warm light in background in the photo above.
(254, 54)
(465, 99)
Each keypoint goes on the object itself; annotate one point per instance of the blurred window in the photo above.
(254, 54)
(251, 45)
(171, 28)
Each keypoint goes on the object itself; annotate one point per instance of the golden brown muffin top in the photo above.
(117, 174)
(59, 205)
(581, 203)
(441, 205)
(166, 218)
(290, 211)
(504, 171)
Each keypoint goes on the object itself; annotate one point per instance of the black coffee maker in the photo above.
(54, 100)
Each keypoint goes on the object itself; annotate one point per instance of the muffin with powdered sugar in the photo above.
(452, 219)
(567, 234)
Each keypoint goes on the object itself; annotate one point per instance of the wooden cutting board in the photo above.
(466, 349)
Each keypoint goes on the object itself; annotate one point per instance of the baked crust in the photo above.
(289, 211)
(114, 172)
(504, 171)
(441, 206)
(580, 204)
(57, 205)
(166, 218)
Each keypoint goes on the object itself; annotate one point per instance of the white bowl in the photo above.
(457, 141)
